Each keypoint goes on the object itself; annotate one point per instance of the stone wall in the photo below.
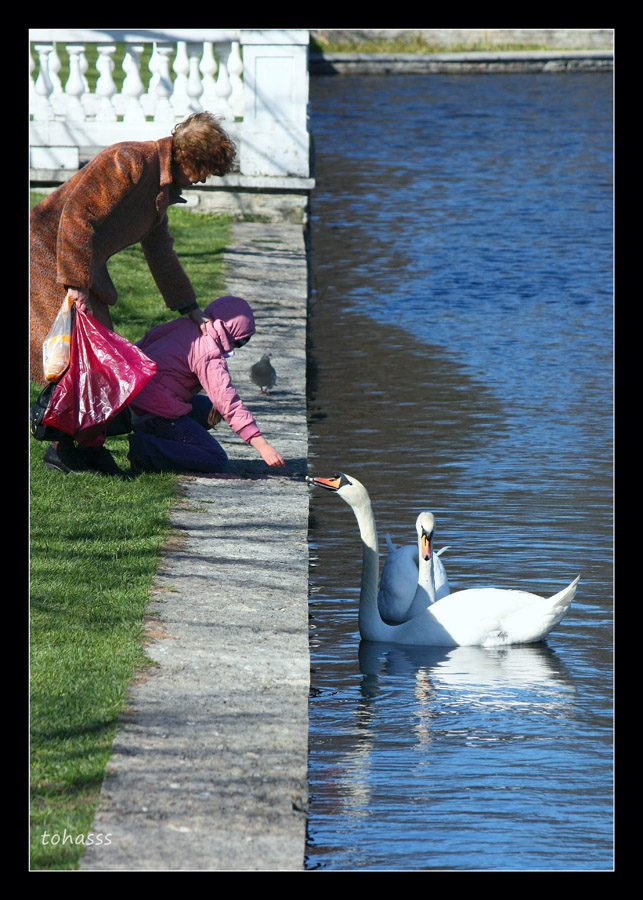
(555, 38)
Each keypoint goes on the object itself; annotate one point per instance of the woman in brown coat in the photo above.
(118, 199)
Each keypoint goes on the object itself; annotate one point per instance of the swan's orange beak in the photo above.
(425, 546)
(331, 484)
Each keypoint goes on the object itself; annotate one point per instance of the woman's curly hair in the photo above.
(201, 145)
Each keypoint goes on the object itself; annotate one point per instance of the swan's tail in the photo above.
(562, 600)
(535, 621)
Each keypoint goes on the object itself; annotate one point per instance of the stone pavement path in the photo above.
(209, 769)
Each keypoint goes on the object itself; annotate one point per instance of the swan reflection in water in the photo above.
(415, 705)
(530, 670)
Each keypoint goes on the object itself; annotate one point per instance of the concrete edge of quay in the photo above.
(468, 62)
(209, 767)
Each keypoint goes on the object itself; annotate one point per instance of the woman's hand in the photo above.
(79, 296)
(269, 455)
(200, 319)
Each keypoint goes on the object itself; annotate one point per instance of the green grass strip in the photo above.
(415, 43)
(96, 544)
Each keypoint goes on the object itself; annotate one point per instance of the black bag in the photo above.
(39, 430)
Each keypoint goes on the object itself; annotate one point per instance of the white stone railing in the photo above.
(256, 80)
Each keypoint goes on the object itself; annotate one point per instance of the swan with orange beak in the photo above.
(482, 617)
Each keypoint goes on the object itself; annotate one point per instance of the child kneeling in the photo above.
(170, 417)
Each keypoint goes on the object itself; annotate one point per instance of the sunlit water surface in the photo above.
(461, 362)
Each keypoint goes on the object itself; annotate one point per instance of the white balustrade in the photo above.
(257, 81)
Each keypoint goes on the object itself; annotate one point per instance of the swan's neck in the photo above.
(370, 621)
(425, 591)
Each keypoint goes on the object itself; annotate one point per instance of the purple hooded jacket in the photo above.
(188, 361)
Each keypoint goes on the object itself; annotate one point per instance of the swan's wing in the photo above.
(492, 616)
(398, 583)
(479, 603)
(440, 579)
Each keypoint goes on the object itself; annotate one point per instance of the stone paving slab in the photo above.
(209, 768)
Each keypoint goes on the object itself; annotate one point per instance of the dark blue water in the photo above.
(461, 361)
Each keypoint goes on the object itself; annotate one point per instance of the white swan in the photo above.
(399, 578)
(485, 617)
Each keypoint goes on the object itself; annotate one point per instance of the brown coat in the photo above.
(118, 199)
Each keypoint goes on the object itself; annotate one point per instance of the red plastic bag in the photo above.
(105, 373)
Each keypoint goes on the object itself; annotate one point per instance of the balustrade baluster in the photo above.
(105, 86)
(224, 88)
(84, 65)
(75, 87)
(148, 99)
(235, 69)
(208, 68)
(89, 99)
(54, 69)
(43, 89)
(163, 111)
(57, 98)
(180, 100)
(32, 86)
(194, 88)
(133, 87)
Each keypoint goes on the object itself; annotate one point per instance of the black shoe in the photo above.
(137, 466)
(63, 456)
(99, 459)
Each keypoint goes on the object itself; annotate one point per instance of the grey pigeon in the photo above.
(263, 374)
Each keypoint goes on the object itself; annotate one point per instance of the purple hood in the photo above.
(232, 320)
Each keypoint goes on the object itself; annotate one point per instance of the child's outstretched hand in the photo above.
(269, 455)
